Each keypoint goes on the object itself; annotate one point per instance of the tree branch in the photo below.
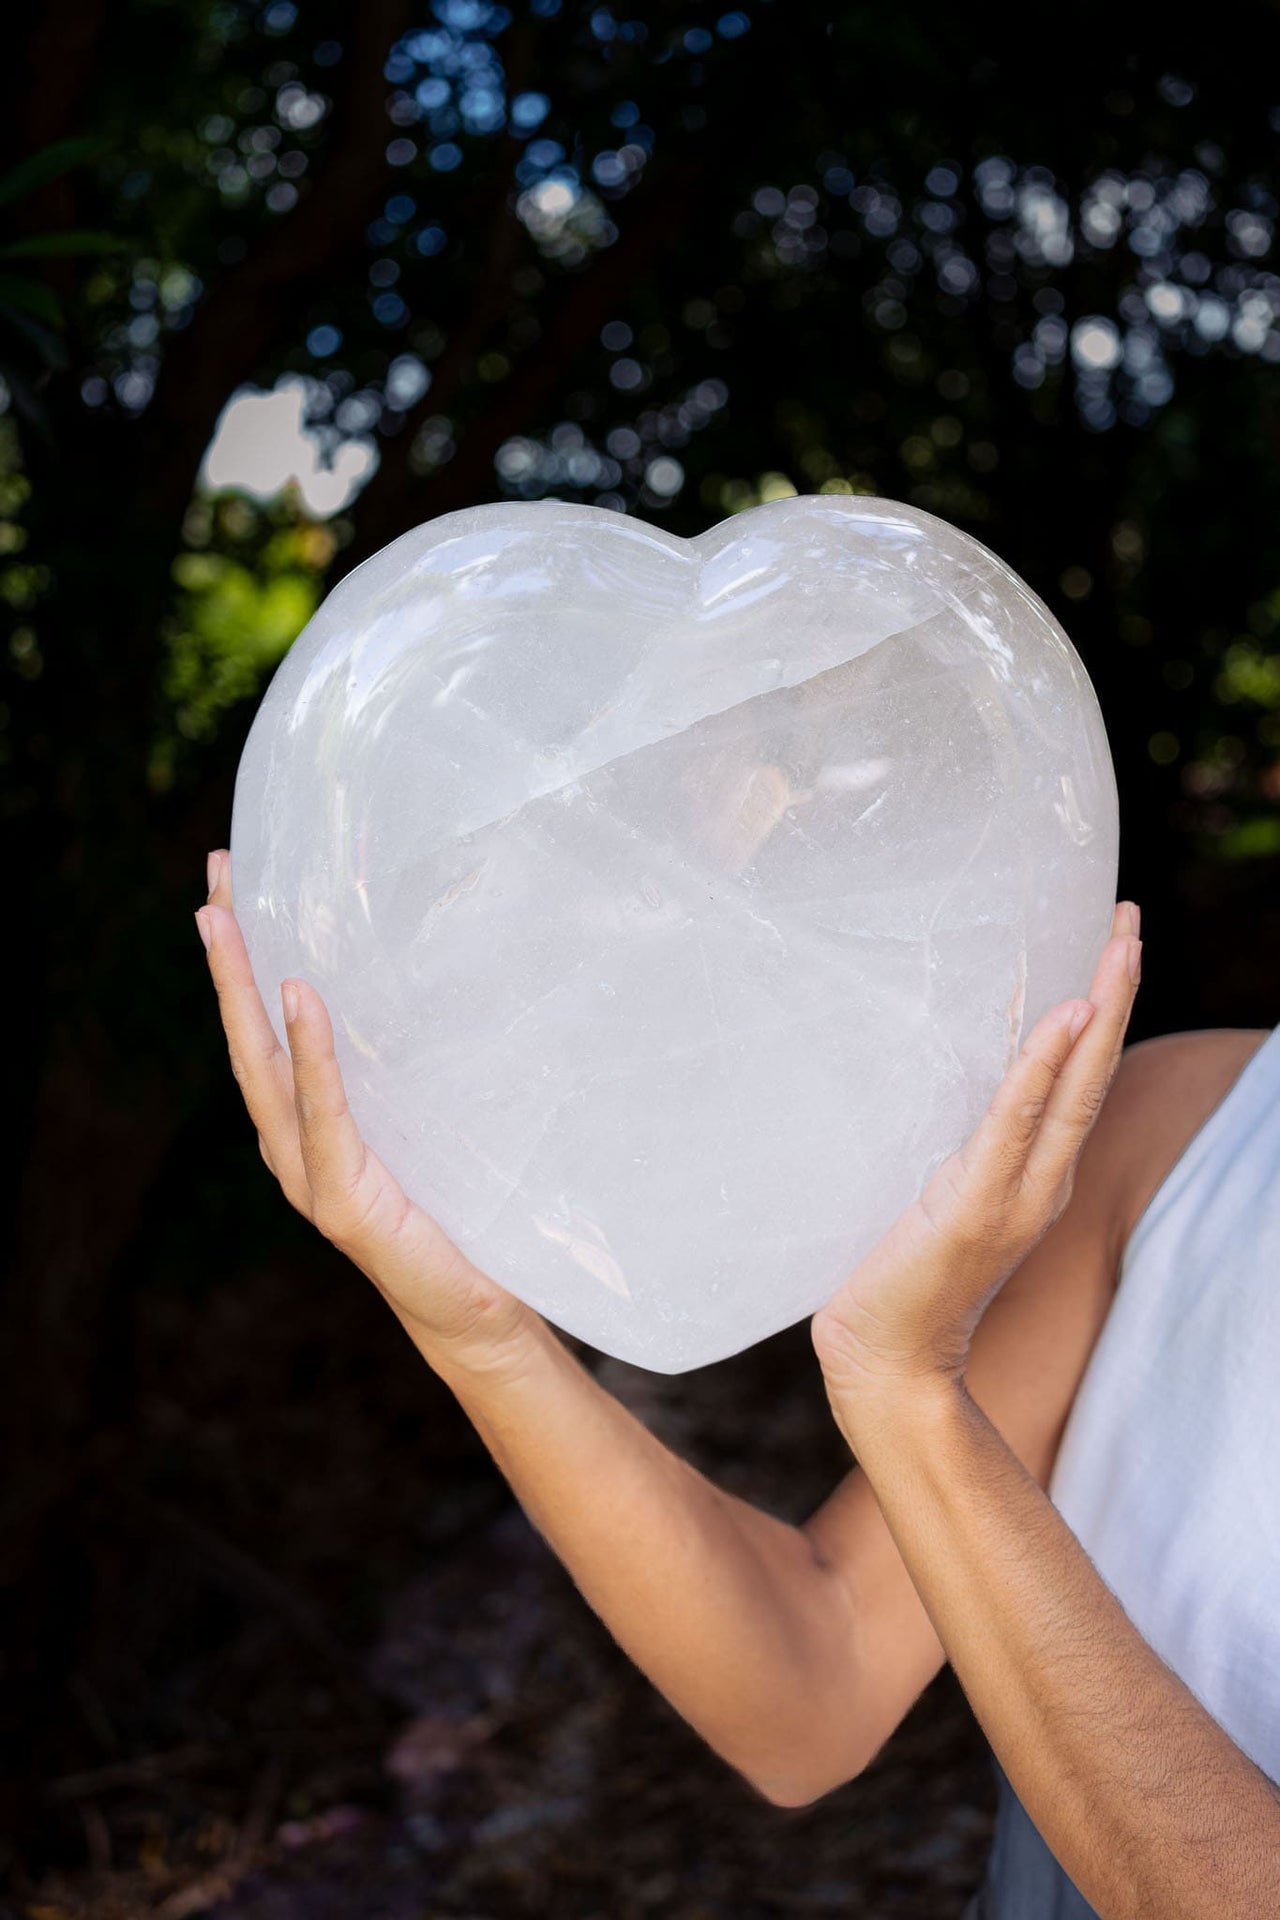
(254, 306)
(393, 499)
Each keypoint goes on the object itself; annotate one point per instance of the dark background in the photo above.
(277, 1640)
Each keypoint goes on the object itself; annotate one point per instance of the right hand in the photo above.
(309, 1140)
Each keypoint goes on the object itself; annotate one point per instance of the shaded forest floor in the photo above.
(326, 1670)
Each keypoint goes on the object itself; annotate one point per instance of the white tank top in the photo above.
(1169, 1468)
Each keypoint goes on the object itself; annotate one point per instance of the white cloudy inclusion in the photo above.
(678, 904)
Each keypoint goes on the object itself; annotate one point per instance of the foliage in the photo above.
(32, 312)
(938, 300)
(249, 582)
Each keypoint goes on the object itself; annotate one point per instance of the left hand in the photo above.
(907, 1313)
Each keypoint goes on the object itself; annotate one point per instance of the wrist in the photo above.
(502, 1340)
(891, 1405)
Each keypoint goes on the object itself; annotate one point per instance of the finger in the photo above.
(1085, 1080)
(258, 1061)
(356, 1200)
(219, 876)
(1044, 1075)
(1127, 918)
(996, 1154)
(333, 1153)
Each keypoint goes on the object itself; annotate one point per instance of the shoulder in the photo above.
(1164, 1091)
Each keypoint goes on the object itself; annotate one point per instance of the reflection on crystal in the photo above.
(678, 903)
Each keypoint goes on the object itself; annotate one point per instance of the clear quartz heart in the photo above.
(679, 904)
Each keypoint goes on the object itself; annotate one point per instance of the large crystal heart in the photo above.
(679, 904)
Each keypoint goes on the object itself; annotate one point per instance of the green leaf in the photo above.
(30, 297)
(50, 163)
(48, 246)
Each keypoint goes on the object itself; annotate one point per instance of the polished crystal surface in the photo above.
(678, 904)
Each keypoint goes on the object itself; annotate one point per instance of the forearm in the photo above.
(726, 1609)
(1144, 1799)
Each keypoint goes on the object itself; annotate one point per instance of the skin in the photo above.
(951, 1356)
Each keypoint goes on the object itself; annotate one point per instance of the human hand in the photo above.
(454, 1313)
(905, 1316)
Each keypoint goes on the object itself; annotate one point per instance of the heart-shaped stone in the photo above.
(678, 904)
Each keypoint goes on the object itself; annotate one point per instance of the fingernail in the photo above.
(1135, 961)
(203, 928)
(1080, 1020)
(289, 994)
(213, 867)
(1135, 917)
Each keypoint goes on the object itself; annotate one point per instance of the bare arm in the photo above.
(1146, 1801)
(796, 1652)
(729, 1611)
(793, 1651)
(1025, 1363)
(1143, 1797)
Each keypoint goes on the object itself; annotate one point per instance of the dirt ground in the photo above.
(336, 1675)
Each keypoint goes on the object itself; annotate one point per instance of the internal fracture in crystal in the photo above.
(678, 904)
